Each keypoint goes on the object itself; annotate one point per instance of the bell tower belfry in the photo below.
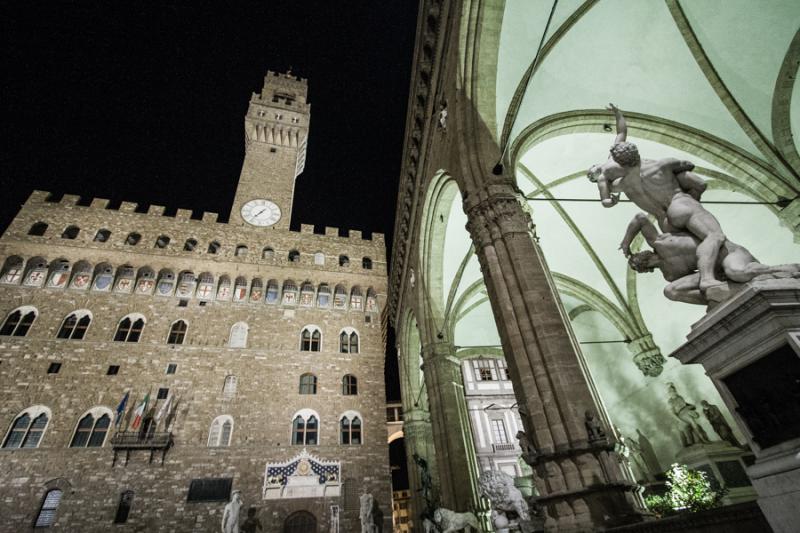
(276, 131)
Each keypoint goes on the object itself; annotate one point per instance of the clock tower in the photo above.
(276, 131)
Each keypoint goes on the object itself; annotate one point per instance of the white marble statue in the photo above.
(675, 254)
(510, 510)
(665, 188)
(366, 514)
(230, 515)
(691, 431)
(449, 521)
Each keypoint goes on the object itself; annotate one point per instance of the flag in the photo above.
(164, 409)
(121, 408)
(138, 414)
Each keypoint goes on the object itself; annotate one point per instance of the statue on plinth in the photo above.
(529, 451)
(691, 431)
(675, 255)
(509, 508)
(665, 188)
(366, 513)
(450, 521)
(720, 425)
(230, 515)
(594, 429)
(426, 484)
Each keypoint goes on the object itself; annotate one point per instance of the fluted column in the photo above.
(581, 486)
(457, 466)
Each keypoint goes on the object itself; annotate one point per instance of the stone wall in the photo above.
(267, 371)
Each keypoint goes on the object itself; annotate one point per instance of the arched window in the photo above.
(340, 297)
(28, 428)
(344, 261)
(294, 256)
(308, 384)
(47, 512)
(323, 295)
(300, 522)
(256, 290)
(305, 428)
(350, 428)
(162, 241)
(145, 280)
(348, 341)
(355, 299)
(213, 247)
(319, 258)
(307, 295)
(240, 289)
(103, 277)
(166, 282)
(310, 339)
(189, 245)
(102, 235)
(229, 386)
(224, 289)
(205, 287)
(92, 429)
(241, 250)
(177, 332)
(70, 232)
(130, 328)
(12, 270)
(238, 338)
(268, 253)
(75, 325)
(59, 274)
(38, 229)
(272, 291)
(289, 292)
(366, 263)
(220, 432)
(124, 507)
(349, 385)
(372, 301)
(35, 272)
(133, 239)
(19, 321)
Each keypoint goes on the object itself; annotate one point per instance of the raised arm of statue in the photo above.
(639, 224)
(622, 128)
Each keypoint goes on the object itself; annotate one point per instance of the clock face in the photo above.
(261, 212)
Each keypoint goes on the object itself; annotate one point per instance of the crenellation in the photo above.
(183, 214)
(306, 228)
(209, 217)
(128, 207)
(331, 232)
(70, 199)
(156, 210)
(98, 203)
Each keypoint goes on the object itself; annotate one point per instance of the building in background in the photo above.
(503, 249)
(152, 365)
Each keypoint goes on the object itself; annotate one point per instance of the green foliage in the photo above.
(688, 491)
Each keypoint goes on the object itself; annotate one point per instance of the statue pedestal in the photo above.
(750, 347)
(724, 467)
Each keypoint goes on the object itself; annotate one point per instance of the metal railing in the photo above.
(142, 441)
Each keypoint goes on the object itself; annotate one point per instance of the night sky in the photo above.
(146, 104)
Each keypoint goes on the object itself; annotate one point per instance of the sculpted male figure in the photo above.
(230, 515)
(665, 188)
(691, 432)
(675, 254)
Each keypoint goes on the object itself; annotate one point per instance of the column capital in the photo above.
(499, 213)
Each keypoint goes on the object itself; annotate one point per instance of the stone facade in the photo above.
(267, 370)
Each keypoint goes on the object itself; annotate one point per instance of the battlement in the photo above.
(71, 201)
(284, 90)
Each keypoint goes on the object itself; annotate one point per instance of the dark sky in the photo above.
(146, 104)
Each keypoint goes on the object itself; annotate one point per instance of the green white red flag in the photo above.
(138, 414)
